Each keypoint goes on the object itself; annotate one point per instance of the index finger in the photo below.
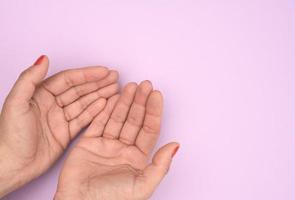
(64, 80)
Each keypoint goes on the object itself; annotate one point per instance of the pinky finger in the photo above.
(86, 116)
(97, 126)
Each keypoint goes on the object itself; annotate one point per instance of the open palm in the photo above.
(40, 118)
(110, 161)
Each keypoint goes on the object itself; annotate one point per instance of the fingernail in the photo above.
(39, 60)
(175, 151)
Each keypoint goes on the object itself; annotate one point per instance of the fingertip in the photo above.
(133, 84)
(146, 86)
(39, 60)
(155, 99)
(114, 74)
(147, 83)
(98, 69)
(174, 143)
(171, 145)
(43, 63)
(170, 148)
(130, 87)
(46, 58)
(103, 68)
(175, 150)
(158, 94)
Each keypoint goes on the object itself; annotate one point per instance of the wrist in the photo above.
(69, 192)
(7, 180)
(63, 196)
(10, 177)
(58, 196)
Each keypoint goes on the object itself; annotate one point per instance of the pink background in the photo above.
(227, 70)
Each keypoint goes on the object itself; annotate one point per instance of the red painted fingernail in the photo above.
(39, 60)
(175, 151)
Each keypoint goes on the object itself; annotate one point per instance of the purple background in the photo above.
(227, 70)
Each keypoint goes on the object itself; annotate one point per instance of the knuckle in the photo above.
(117, 117)
(79, 91)
(67, 115)
(150, 129)
(134, 120)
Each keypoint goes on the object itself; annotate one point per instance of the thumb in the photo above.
(159, 167)
(27, 82)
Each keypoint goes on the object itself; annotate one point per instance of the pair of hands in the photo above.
(110, 161)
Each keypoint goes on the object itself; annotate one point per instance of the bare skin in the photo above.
(41, 117)
(111, 159)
